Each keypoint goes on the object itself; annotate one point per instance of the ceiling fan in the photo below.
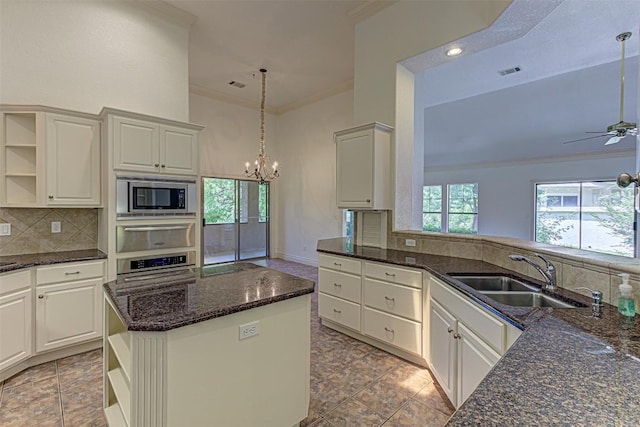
(622, 129)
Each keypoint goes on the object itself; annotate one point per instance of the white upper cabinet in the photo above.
(363, 161)
(145, 146)
(50, 158)
(73, 161)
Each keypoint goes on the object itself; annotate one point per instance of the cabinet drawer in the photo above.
(10, 282)
(388, 273)
(393, 330)
(395, 299)
(346, 265)
(69, 271)
(488, 327)
(340, 311)
(341, 285)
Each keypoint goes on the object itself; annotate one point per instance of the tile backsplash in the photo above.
(31, 230)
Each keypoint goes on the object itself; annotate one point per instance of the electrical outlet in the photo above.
(409, 260)
(55, 227)
(410, 242)
(249, 330)
(5, 229)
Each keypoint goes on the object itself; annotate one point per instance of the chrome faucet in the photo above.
(549, 274)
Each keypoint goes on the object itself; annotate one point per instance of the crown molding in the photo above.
(167, 12)
(220, 96)
(536, 160)
(368, 9)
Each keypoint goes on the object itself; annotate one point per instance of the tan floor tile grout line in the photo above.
(59, 394)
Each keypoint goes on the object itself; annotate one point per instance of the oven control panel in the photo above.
(150, 263)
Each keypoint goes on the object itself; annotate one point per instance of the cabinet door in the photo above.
(15, 328)
(475, 360)
(442, 326)
(73, 161)
(68, 313)
(178, 150)
(136, 145)
(355, 159)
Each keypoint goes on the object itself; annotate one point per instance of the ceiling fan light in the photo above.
(613, 140)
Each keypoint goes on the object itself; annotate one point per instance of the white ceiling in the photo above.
(307, 46)
(569, 84)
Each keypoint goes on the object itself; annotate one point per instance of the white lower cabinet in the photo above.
(68, 304)
(68, 313)
(15, 318)
(465, 341)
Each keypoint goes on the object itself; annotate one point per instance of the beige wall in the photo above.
(381, 85)
(31, 230)
(84, 55)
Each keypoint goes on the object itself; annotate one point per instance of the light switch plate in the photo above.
(5, 229)
(55, 227)
(410, 242)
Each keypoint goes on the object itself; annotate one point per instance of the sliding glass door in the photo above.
(236, 220)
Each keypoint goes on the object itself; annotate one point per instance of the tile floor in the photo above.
(352, 384)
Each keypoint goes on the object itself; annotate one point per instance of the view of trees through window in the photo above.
(595, 215)
(220, 201)
(461, 213)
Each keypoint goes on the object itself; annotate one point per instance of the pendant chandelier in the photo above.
(261, 172)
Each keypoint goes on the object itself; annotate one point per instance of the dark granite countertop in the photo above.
(190, 296)
(567, 367)
(17, 262)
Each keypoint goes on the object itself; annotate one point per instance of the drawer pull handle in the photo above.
(457, 336)
(390, 275)
(40, 296)
(449, 330)
(337, 284)
(389, 299)
(337, 264)
(388, 330)
(335, 310)
(71, 273)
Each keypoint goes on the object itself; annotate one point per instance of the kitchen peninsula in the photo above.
(224, 345)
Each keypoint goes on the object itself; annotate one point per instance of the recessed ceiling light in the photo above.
(454, 51)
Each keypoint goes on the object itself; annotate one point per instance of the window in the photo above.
(263, 197)
(461, 208)
(219, 201)
(432, 208)
(592, 215)
(347, 223)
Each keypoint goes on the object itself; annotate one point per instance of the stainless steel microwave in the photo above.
(155, 196)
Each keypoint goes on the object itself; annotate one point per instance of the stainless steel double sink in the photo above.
(510, 291)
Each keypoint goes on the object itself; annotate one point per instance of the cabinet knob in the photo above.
(50, 196)
(457, 336)
(163, 166)
(157, 164)
(449, 330)
(368, 200)
(40, 296)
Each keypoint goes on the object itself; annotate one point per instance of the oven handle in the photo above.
(168, 228)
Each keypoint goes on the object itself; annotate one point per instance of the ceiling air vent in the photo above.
(237, 84)
(510, 71)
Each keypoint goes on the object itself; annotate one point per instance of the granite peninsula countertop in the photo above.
(567, 367)
(189, 296)
(16, 262)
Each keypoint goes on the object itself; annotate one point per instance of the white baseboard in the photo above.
(295, 258)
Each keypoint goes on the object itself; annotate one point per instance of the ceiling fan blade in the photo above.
(584, 139)
(613, 140)
(607, 133)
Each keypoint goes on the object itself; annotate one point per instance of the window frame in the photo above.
(445, 209)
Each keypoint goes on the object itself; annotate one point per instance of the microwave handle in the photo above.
(168, 228)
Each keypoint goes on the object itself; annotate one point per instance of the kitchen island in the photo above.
(224, 345)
